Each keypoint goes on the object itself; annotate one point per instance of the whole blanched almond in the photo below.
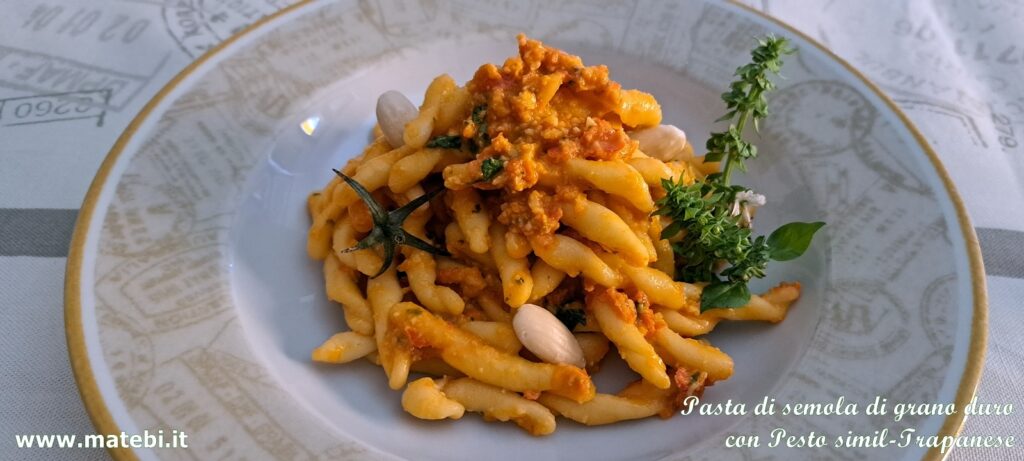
(394, 110)
(663, 142)
(544, 335)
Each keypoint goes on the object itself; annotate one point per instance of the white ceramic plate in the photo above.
(191, 304)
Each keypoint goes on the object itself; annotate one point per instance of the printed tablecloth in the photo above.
(954, 66)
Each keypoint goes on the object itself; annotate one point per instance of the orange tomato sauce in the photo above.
(542, 108)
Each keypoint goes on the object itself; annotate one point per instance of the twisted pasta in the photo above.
(547, 200)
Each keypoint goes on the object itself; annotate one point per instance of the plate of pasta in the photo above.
(513, 230)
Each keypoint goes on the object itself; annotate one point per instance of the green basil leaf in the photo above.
(724, 295)
(482, 138)
(479, 112)
(491, 167)
(728, 97)
(791, 240)
(713, 156)
(445, 142)
(671, 230)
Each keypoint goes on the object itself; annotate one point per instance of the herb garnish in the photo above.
(718, 247)
(490, 167)
(387, 225)
(745, 100)
(479, 118)
(445, 142)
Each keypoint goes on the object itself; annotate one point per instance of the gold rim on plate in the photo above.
(104, 421)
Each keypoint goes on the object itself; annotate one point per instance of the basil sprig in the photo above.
(717, 246)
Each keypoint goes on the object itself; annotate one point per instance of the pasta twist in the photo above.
(547, 200)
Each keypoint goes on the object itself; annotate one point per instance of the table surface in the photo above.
(954, 66)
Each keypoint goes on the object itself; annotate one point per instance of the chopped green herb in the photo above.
(445, 142)
(491, 167)
(479, 118)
